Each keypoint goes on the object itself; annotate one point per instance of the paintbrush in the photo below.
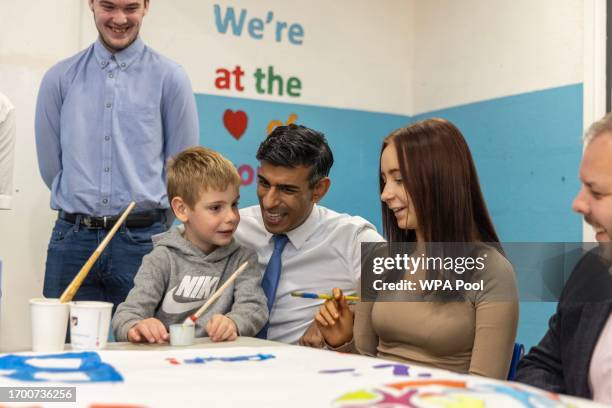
(309, 295)
(71, 290)
(194, 317)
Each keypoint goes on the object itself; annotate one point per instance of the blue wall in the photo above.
(354, 137)
(527, 149)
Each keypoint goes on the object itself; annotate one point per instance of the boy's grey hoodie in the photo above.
(177, 277)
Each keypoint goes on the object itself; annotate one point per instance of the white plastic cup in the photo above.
(182, 334)
(89, 324)
(49, 324)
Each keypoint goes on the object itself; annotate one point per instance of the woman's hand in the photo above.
(335, 320)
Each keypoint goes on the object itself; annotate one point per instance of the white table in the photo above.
(199, 343)
(252, 372)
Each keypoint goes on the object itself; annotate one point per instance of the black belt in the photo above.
(137, 220)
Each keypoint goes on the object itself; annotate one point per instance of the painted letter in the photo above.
(230, 18)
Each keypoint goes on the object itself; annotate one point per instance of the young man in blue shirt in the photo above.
(107, 119)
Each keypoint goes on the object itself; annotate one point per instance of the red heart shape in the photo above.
(235, 122)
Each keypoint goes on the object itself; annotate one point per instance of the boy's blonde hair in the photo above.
(198, 169)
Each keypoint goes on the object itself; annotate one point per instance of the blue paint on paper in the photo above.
(398, 369)
(233, 359)
(91, 366)
(528, 399)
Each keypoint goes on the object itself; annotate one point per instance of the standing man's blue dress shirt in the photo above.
(106, 124)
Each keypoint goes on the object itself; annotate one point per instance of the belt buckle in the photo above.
(104, 219)
(86, 221)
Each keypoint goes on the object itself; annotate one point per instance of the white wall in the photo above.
(355, 54)
(473, 50)
(490, 49)
(594, 105)
(346, 44)
(34, 35)
(392, 56)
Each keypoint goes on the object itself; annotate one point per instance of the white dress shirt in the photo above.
(7, 151)
(322, 253)
(600, 371)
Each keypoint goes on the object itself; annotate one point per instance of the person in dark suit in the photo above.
(575, 355)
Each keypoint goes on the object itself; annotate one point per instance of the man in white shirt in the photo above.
(7, 151)
(575, 355)
(323, 248)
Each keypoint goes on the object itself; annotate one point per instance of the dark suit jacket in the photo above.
(560, 362)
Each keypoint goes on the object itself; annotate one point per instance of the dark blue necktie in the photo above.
(271, 277)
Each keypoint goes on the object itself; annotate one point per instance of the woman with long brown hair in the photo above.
(430, 194)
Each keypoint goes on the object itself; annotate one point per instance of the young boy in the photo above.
(188, 263)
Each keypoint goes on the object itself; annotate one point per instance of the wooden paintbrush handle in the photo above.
(80, 277)
(219, 291)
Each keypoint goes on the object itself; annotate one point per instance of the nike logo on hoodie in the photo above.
(193, 287)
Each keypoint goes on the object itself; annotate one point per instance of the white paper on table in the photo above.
(292, 378)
